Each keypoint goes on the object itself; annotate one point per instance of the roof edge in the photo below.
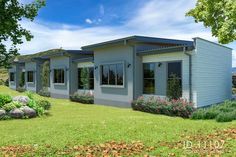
(213, 42)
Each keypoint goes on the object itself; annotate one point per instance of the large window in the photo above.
(59, 76)
(86, 78)
(30, 76)
(148, 78)
(174, 70)
(112, 74)
(175, 75)
(12, 77)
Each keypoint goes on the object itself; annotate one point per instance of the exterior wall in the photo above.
(115, 96)
(212, 73)
(60, 90)
(160, 73)
(31, 66)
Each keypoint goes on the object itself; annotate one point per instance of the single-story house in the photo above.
(122, 70)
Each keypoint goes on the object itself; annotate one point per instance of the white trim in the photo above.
(85, 64)
(111, 63)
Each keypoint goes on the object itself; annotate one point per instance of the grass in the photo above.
(73, 123)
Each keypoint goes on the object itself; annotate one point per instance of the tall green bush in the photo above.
(22, 79)
(45, 74)
(84, 78)
(174, 90)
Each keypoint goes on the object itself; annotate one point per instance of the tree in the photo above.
(45, 74)
(174, 90)
(11, 13)
(22, 79)
(84, 78)
(219, 15)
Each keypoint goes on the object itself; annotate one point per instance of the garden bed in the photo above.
(22, 107)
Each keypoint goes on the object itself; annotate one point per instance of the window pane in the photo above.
(149, 86)
(174, 69)
(119, 74)
(59, 76)
(148, 78)
(112, 74)
(91, 72)
(148, 70)
(12, 77)
(105, 71)
(91, 84)
(62, 76)
(30, 76)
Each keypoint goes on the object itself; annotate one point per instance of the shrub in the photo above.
(30, 94)
(9, 107)
(34, 105)
(2, 82)
(233, 90)
(85, 98)
(45, 74)
(22, 79)
(222, 112)
(21, 89)
(199, 114)
(174, 90)
(225, 117)
(179, 107)
(45, 104)
(44, 92)
(4, 99)
(7, 82)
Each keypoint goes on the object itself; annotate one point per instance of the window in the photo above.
(59, 76)
(112, 74)
(86, 78)
(12, 77)
(30, 76)
(174, 72)
(148, 78)
(174, 68)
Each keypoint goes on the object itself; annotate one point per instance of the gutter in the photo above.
(190, 73)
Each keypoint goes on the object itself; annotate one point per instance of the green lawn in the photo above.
(73, 124)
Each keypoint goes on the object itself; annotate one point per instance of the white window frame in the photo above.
(112, 86)
(65, 73)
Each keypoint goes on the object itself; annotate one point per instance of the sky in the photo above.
(70, 24)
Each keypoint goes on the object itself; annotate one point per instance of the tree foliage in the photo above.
(11, 31)
(84, 78)
(45, 74)
(22, 79)
(219, 15)
(174, 90)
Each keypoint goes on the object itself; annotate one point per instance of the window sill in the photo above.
(59, 84)
(111, 86)
(30, 82)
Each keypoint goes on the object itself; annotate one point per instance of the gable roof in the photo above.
(139, 39)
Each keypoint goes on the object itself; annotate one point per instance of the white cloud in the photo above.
(89, 21)
(158, 18)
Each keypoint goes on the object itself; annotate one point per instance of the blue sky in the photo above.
(71, 24)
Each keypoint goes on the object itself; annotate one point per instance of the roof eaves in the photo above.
(142, 39)
(165, 50)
